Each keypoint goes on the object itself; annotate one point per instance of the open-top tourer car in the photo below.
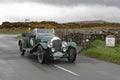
(47, 45)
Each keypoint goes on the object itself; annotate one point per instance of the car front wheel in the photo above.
(72, 55)
(41, 55)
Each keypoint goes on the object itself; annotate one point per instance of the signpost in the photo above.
(110, 41)
(29, 25)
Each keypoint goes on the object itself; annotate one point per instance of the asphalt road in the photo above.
(15, 67)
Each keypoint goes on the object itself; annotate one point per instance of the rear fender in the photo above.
(24, 44)
(19, 42)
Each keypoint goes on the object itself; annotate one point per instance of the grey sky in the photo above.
(59, 10)
(71, 2)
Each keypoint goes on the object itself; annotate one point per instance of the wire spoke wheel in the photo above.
(72, 55)
(41, 55)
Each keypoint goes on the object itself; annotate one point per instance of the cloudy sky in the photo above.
(59, 10)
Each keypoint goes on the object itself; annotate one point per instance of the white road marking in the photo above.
(67, 70)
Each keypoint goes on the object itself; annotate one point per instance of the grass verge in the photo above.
(13, 31)
(19, 37)
(97, 49)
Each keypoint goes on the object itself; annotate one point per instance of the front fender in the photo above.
(44, 45)
(72, 44)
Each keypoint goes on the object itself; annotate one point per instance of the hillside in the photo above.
(51, 24)
(93, 21)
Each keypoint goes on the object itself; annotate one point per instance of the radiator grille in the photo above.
(57, 45)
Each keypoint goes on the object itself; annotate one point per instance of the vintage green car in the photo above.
(47, 45)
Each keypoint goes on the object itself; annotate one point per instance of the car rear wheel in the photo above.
(41, 55)
(22, 51)
(72, 54)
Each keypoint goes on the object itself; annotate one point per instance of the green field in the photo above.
(97, 49)
(13, 31)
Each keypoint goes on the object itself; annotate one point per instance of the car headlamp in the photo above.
(53, 50)
(50, 44)
(64, 44)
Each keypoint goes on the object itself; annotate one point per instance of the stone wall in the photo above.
(85, 37)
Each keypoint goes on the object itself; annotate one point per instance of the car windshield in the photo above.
(37, 30)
